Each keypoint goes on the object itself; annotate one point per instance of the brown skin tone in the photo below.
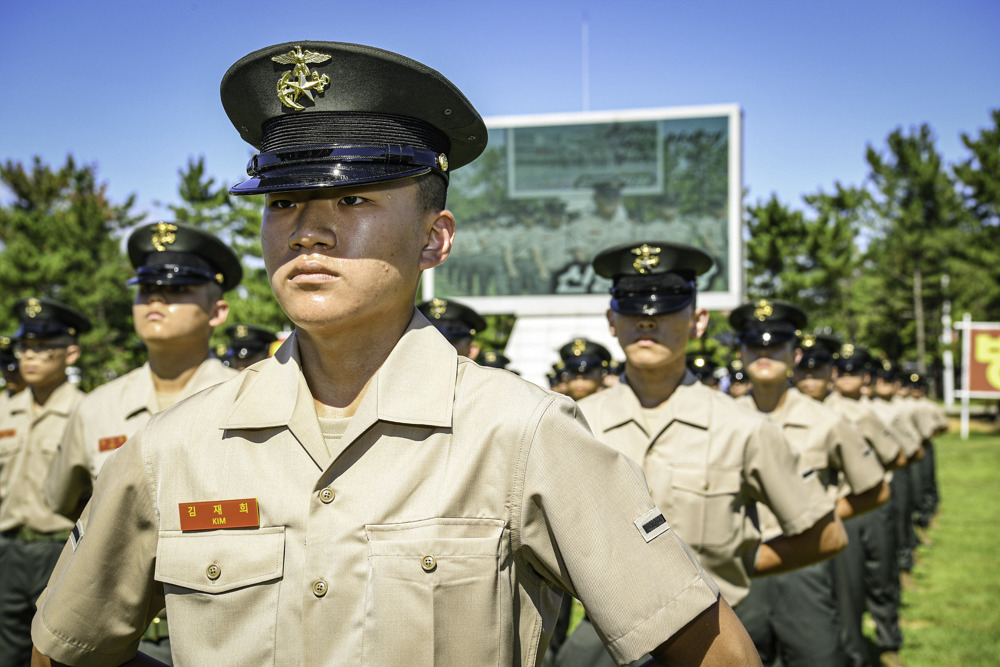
(175, 322)
(581, 385)
(738, 389)
(45, 370)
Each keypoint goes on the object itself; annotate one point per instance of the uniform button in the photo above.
(327, 495)
(213, 571)
(319, 588)
(706, 486)
(428, 563)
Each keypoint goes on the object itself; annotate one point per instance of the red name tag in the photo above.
(8, 433)
(217, 514)
(111, 444)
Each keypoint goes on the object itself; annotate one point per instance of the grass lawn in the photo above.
(952, 616)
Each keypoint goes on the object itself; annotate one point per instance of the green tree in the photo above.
(916, 223)
(810, 260)
(61, 238)
(975, 266)
(235, 220)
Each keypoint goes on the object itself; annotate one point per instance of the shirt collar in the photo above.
(684, 405)
(415, 385)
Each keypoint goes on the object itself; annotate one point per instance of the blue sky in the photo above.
(133, 86)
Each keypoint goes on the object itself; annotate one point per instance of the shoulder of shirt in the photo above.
(509, 387)
(112, 388)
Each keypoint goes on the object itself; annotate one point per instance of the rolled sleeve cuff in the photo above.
(699, 594)
(70, 652)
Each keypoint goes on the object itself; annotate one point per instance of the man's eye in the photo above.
(352, 200)
(280, 203)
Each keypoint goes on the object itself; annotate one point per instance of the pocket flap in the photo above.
(220, 561)
(456, 537)
(707, 482)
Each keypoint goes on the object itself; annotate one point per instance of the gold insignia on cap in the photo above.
(847, 350)
(442, 161)
(438, 308)
(163, 235)
(646, 258)
(300, 81)
(699, 362)
(33, 307)
(218, 278)
(241, 331)
(491, 356)
(579, 345)
(763, 310)
(914, 377)
(737, 365)
(808, 340)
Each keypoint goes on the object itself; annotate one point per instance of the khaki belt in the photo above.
(28, 535)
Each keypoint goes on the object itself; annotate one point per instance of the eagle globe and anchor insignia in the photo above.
(646, 258)
(300, 81)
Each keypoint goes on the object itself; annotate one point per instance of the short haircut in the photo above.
(432, 192)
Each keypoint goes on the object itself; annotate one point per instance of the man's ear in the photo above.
(699, 322)
(220, 311)
(439, 240)
(611, 322)
(72, 354)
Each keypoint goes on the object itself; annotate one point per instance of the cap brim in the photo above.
(316, 176)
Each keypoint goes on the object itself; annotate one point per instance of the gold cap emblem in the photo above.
(442, 161)
(163, 235)
(300, 81)
(491, 356)
(646, 258)
(579, 345)
(847, 350)
(33, 307)
(763, 310)
(241, 331)
(809, 340)
(438, 308)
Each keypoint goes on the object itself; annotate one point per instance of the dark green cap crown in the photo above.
(327, 114)
(173, 253)
(47, 318)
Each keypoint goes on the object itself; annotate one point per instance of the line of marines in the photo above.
(547, 542)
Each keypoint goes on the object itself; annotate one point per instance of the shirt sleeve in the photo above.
(861, 467)
(879, 436)
(69, 478)
(101, 595)
(776, 477)
(587, 524)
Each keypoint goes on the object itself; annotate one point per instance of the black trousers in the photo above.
(793, 617)
(25, 568)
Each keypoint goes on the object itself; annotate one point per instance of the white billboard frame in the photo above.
(595, 304)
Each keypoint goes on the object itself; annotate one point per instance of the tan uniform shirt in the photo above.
(828, 444)
(439, 529)
(8, 443)
(30, 442)
(102, 422)
(899, 421)
(925, 415)
(707, 460)
(876, 432)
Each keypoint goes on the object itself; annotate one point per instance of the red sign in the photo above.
(219, 514)
(984, 362)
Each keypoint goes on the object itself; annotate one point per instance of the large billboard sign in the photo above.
(550, 192)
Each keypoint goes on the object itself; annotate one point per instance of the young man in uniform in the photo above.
(794, 616)
(31, 534)
(182, 273)
(739, 382)
(248, 344)
(707, 460)
(862, 573)
(584, 365)
(881, 576)
(366, 495)
(456, 322)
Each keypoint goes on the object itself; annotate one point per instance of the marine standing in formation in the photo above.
(367, 489)
(31, 533)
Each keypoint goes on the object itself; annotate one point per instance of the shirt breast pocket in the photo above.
(707, 505)
(223, 584)
(433, 594)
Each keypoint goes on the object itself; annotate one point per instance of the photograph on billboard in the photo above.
(550, 192)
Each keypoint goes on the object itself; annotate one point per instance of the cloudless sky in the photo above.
(133, 86)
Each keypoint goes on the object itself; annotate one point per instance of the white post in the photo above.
(948, 374)
(966, 356)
